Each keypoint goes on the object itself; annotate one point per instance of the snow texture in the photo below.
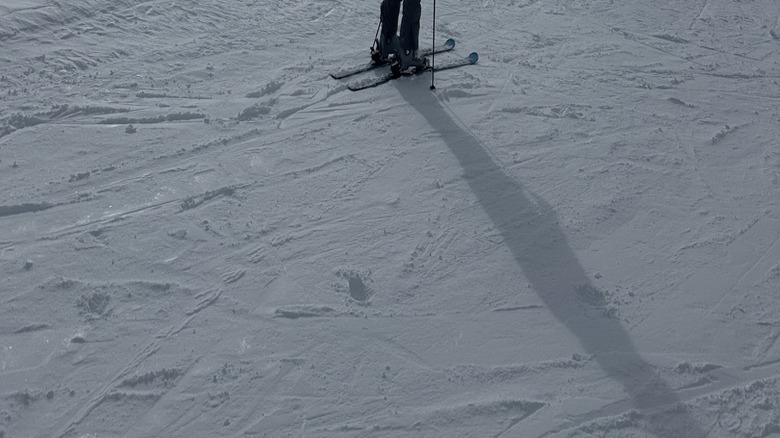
(203, 234)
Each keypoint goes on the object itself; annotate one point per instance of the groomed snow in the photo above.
(203, 234)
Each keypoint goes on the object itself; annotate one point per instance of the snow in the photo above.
(203, 234)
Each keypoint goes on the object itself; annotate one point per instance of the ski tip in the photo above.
(473, 57)
(450, 43)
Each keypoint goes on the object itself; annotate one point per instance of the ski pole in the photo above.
(433, 46)
(376, 37)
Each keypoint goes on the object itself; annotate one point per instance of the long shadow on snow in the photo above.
(530, 229)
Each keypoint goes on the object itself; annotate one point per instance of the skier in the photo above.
(401, 50)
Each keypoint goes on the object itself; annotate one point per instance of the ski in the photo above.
(446, 47)
(444, 65)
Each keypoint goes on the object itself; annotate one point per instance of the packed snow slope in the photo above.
(203, 234)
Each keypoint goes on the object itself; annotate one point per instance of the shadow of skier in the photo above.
(530, 229)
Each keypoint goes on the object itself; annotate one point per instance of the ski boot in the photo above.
(408, 62)
(411, 60)
(385, 49)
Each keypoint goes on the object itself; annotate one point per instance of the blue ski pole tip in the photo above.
(473, 57)
(449, 42)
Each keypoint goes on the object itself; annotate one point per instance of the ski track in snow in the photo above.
(203, 234)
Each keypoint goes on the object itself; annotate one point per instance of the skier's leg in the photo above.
(410, 31)
(410, 26)
(389, 16)
(390, 10)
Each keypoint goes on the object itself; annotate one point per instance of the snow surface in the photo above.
(203, 234)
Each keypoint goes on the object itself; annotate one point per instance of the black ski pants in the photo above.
(410, 23)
